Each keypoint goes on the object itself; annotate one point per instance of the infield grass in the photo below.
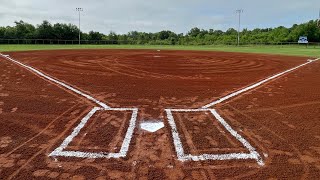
(311, 51)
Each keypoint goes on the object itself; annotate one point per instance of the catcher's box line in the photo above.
(256, 85)
(57, 82)
(60, 151)
(253, 154)
(125, 146)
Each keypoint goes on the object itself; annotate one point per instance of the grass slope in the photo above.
(282, 50)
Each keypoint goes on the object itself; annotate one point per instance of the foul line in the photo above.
(256, 85)
(253, 154)
(59, 151)
(57, 82)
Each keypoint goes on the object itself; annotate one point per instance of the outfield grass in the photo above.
(282, 50)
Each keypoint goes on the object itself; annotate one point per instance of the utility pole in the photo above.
(79, 10)
(239, 11)
(319, 19)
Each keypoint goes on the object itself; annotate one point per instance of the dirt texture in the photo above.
(280, 118)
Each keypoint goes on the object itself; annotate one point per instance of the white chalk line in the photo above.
(57, 82)
(253, 153)
(256, 85)
(175, 135)
(60, 151)
(177, 141)
(185, 157)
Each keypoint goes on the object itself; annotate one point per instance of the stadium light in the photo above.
(239, 11)
(79, 10)
(319, 19)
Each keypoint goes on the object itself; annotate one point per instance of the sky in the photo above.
(122, 16)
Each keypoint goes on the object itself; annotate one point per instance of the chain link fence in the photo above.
(132, 42)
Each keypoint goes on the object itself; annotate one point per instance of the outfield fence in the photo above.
(60, 41)
(132, 42)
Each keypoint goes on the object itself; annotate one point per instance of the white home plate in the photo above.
(151, 126)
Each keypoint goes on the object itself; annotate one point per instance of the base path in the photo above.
(257, 116)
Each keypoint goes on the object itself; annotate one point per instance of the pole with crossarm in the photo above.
(79, 10)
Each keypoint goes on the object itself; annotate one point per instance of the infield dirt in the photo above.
(280, 119)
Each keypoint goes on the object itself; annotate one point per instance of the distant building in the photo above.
(303, 40)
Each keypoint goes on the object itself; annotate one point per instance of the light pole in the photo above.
(239, 11)
(79, 10)
(319, 19)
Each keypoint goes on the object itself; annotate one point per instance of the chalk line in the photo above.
(57, 82)
(253, 154)
(245, 143)
(256, 85)
(75, 132)
(175, 135)
(60, 151)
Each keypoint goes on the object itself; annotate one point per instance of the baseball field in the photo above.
(159, 112)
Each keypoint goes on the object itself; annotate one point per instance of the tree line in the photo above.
(196, 36)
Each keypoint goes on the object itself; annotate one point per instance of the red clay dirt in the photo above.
(280, 118)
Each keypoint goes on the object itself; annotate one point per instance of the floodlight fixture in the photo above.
(79, 10)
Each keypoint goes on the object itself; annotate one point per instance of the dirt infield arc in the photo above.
(151, 81)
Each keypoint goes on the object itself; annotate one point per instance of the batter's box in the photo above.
(252, 153)
(64, 148)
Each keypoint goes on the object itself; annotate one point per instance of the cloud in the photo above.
(122, 16)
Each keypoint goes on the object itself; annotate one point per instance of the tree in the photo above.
(45, 31)
(2, 32)
(10, 33)
(95, 35)
(65, 31)
(24, 30)
(195, 36)
(194, 32)
(113, 36)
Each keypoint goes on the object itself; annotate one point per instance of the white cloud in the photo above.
(154, 15)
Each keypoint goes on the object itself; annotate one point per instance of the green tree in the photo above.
(95, 35)
(45, 31)
(24, 30)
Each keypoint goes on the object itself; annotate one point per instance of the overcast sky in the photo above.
(122, 16)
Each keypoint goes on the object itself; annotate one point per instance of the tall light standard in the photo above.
(79, 10)
(239, 11)
(319, 19)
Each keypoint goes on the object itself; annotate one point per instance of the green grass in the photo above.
(282, 50)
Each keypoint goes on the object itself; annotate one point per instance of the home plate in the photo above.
(151, 126)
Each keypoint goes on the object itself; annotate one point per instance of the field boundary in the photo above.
(60, 151)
